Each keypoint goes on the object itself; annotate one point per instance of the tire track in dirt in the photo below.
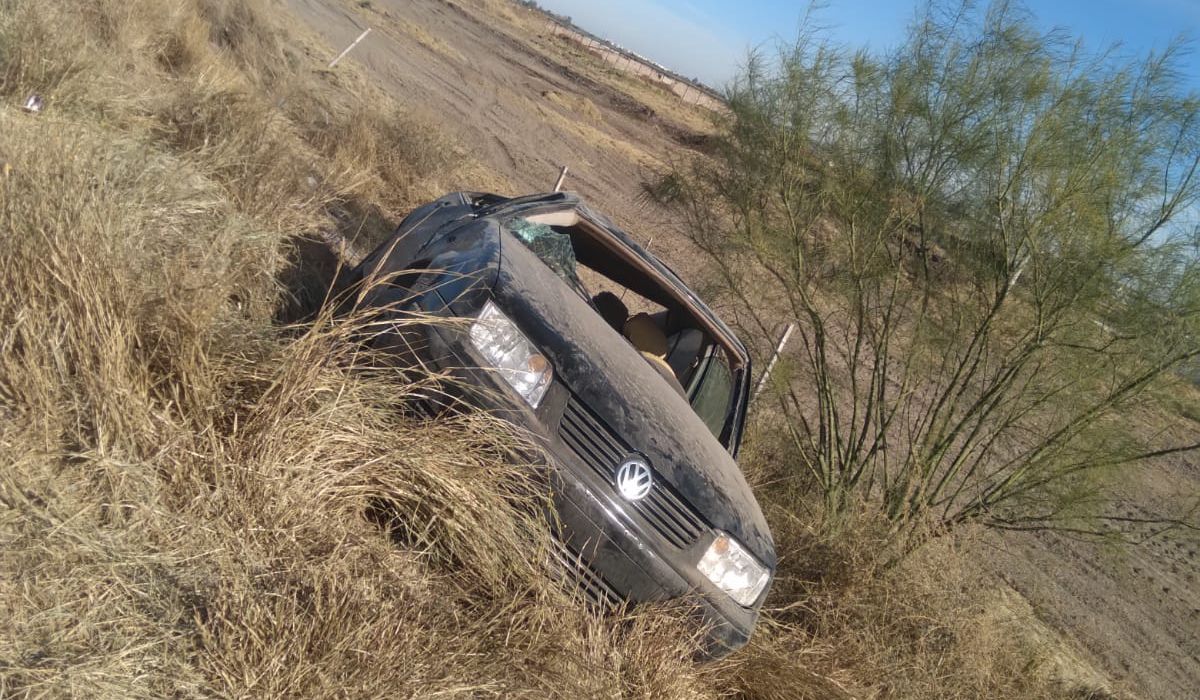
(1135, 609)
(487, 98)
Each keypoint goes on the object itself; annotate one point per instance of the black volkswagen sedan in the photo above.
(636, 390)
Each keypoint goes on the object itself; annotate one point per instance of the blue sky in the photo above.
(708, 39)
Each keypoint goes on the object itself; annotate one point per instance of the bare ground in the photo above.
(1132, 612)
(524, 104)
(499, 89)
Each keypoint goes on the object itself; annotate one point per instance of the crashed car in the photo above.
(637, 392)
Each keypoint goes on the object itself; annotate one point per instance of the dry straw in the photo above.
(197, 501)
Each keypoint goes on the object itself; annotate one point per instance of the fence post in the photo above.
(762, 381)
(346, 50)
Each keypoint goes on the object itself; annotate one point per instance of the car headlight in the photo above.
(734, 570)
(512, 355)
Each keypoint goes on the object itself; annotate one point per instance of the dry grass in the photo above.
(503, 9)
(188, 494)
(576, 104)
(190, 491)
(879, 624)
(422, 36)
(583, 129)
(650, 96)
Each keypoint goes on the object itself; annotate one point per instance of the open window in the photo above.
(648, 306)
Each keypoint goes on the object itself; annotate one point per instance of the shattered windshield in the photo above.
(552, 248)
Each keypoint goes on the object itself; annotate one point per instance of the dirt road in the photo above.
(497, 90)
(1133, 611)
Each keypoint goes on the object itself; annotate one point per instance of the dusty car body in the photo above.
(642, 442)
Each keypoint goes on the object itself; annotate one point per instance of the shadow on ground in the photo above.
(319, 265)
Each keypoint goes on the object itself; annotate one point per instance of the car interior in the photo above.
(636, 300)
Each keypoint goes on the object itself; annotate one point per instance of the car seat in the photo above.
(683, 347)
(646, 335)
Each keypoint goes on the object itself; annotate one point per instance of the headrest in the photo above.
(646, 335)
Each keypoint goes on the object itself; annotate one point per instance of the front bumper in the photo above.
(616, 550)
(613, 549)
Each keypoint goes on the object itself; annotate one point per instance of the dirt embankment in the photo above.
(498, 89)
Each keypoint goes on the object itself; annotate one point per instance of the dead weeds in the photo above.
(186, 487)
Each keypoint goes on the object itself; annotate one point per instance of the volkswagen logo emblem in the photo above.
(634, 479)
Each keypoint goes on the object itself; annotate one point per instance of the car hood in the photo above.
(608, 375)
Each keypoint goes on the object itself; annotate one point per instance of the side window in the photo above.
(710, 389)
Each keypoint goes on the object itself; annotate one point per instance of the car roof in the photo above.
(609, 243)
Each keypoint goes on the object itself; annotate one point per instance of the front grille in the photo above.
(590, 584)
(604, 451)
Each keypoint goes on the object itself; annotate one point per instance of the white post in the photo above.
(762, 381)
(562, 175)
(346, 50)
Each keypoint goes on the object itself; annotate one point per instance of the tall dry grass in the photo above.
(189, 490)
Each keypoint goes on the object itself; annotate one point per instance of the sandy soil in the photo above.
(524, 104)
(499, 90)
(1132, 612)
